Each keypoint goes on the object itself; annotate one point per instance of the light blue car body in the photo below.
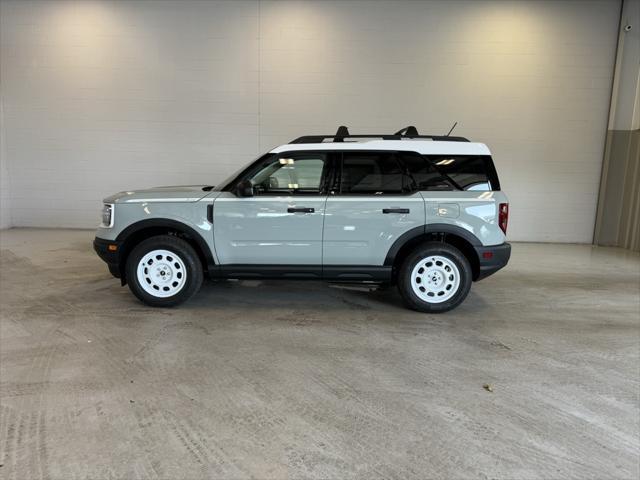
(341, 230)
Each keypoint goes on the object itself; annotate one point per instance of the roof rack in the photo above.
(409, 132)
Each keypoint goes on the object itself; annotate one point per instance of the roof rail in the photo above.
(341, 133)
(409, 132)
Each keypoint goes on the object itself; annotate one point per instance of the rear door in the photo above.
(370, 207)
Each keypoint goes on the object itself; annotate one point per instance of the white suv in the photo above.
(424, 212)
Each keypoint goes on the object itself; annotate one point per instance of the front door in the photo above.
(282, 223)
(374, 205)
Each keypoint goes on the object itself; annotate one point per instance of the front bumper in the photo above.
(105, 250)
(492, 259)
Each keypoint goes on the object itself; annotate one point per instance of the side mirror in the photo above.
(245, 188)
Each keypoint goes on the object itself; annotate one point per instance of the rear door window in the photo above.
(372, 173)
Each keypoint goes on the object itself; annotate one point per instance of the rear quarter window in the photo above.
(452, 172)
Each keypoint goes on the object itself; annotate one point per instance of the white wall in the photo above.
(105, 96)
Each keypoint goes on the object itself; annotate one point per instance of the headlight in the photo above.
(107, 215)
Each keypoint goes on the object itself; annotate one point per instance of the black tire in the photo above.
(411, 298)
(180, 249)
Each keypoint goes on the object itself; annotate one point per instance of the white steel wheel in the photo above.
(435, 279)
(161, 273)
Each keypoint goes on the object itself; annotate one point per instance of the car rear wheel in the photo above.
(164, 271)
(435, 278)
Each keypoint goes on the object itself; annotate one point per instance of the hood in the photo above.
(178, 193)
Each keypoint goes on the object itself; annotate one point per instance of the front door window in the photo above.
(299, 174)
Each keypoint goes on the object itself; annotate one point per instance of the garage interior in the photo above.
(536, 375)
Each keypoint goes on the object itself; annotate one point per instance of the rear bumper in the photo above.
(492, 259)
(110, 257)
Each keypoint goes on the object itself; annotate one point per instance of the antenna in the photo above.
(454, 126)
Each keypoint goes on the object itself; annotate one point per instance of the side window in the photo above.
(465, 172)
(373, 173)
(290, 174)
(424, 174)
(451, 172)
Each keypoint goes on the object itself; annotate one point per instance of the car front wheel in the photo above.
(435, 278)
(164, 271)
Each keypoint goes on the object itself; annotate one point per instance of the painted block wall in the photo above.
(106, 96)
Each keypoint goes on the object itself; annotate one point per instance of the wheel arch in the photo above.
(139, 231)
(456, 236)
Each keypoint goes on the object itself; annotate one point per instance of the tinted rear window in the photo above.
(373, 173)
(452, 172)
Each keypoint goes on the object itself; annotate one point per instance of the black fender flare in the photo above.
(171, 224)
(426, 229)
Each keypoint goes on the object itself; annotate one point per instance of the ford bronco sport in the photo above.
(424, 212)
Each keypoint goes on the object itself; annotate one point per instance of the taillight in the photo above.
(503, 216)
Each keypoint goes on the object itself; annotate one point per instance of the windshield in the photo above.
(230, 180)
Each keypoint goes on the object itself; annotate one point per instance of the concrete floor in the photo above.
(304, 380)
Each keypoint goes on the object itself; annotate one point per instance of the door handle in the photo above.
(395, 210)
(301, 210)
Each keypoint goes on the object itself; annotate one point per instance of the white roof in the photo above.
(425, 147)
